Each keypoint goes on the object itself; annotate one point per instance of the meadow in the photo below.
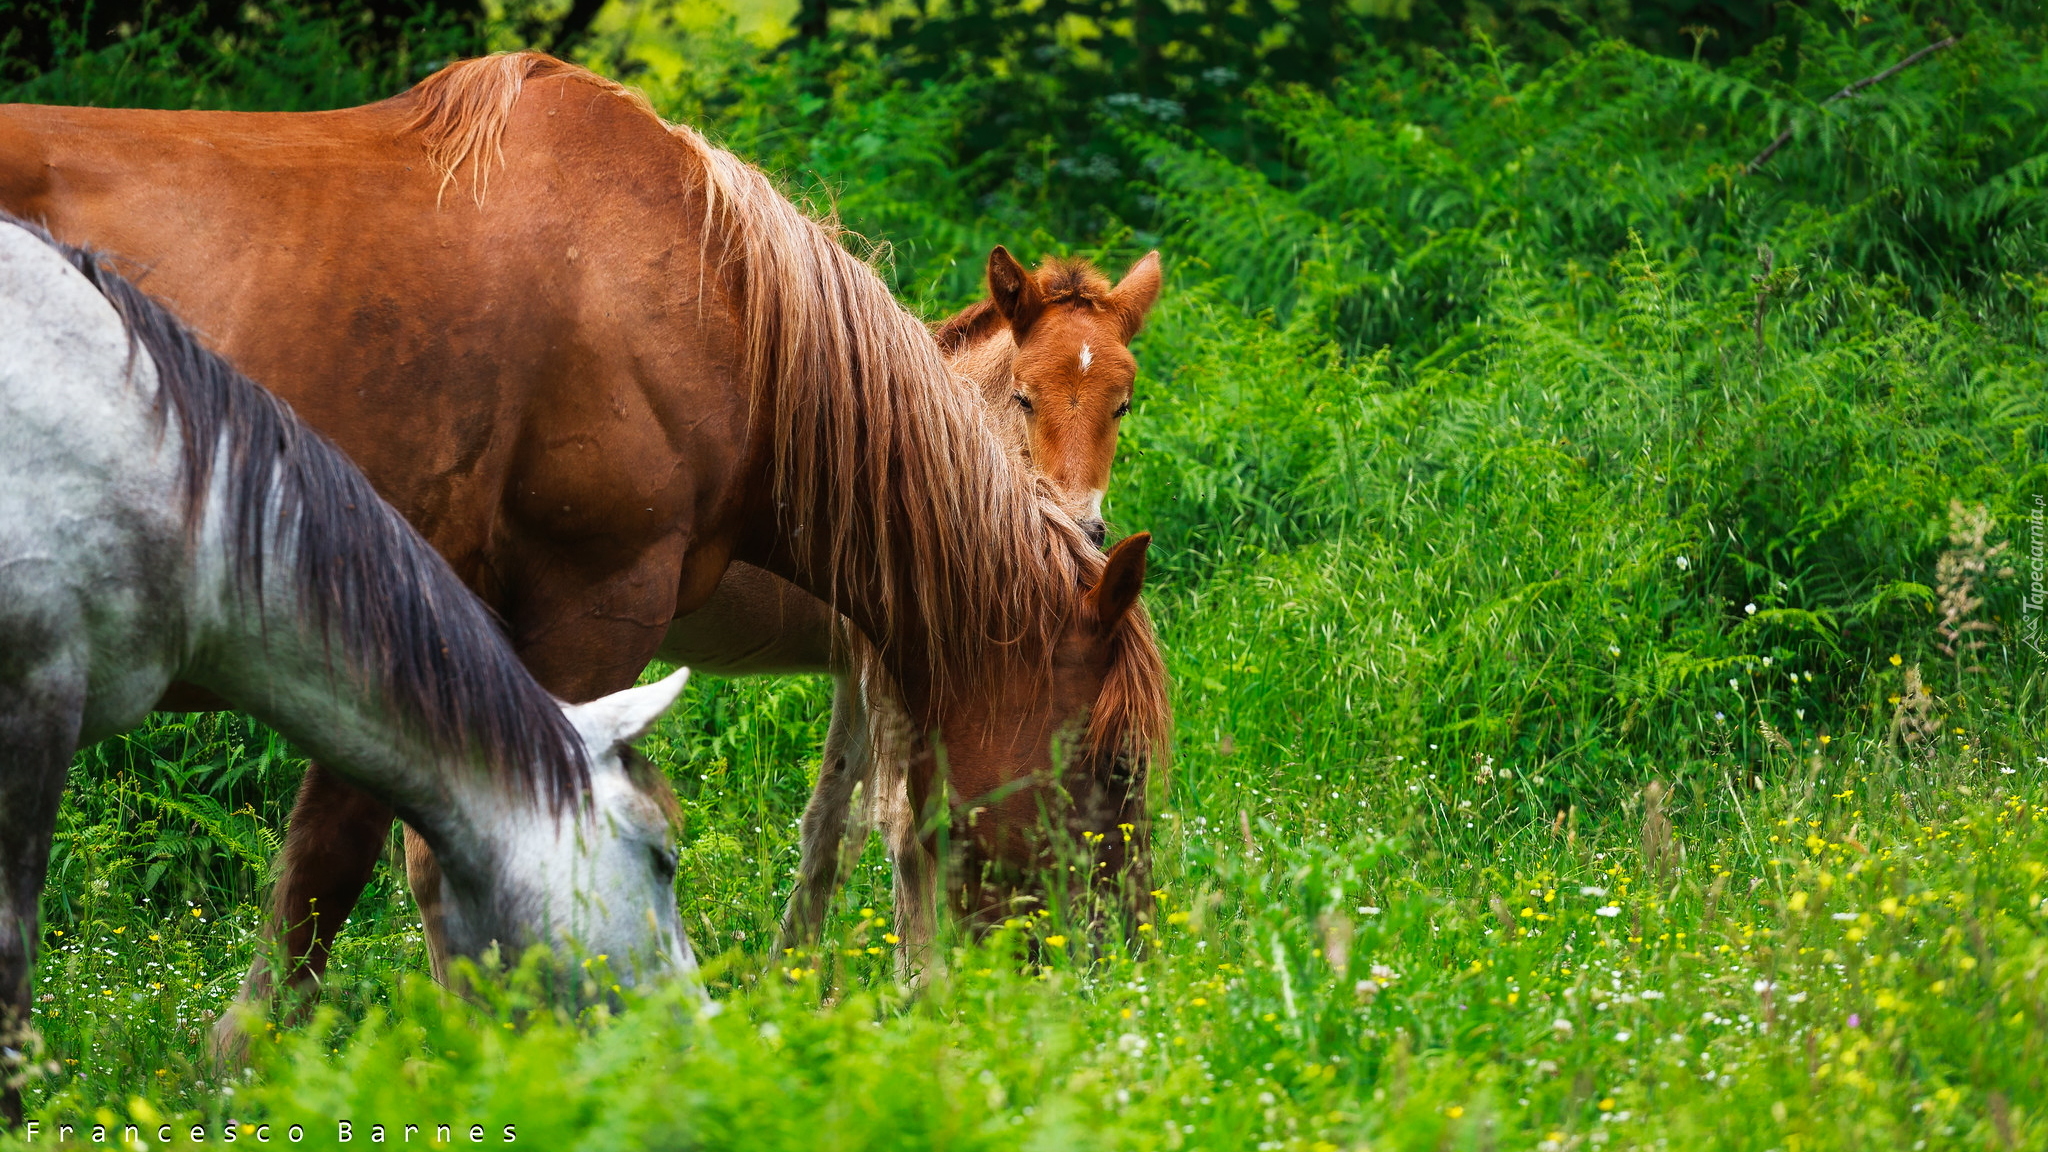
(1601, 576)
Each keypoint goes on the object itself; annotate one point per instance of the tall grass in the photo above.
(1578, 742)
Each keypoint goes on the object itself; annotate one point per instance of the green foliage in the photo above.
(1508, 446)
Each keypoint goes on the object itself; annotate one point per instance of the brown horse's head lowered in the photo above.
(1049, 351)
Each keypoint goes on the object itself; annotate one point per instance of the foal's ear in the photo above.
(1014, 291)
(1135, 294)
(1123, 577)
(624, 717)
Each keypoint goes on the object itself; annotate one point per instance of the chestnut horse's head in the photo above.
(1048, 349)
(1047, 770)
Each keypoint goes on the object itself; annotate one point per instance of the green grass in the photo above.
(1496, 475)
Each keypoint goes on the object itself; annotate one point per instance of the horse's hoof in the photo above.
(229, 1040)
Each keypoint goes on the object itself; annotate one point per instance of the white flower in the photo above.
(1368, 910)
(1844, 917)
(1763, 986)
(1609, 910)
(1767, 661)
(1621, 1037)
(1749, 608)
(1562, 1026)
(1683, 563)
(1589, 890)
(1652, 994)
(1731, 681)
(1382, 972)
(1795, 998)
(1614, 649)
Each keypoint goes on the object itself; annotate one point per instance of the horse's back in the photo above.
(533, 357)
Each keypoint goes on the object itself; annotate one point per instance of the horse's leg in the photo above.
(39, 719)
(916, 880)
(330, 852)
(846, 764)
(423, 876)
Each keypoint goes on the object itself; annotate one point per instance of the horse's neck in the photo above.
(262, 648)
(989, 364)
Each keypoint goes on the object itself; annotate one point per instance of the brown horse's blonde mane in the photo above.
(870, 434)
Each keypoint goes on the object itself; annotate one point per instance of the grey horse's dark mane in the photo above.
(376, 589)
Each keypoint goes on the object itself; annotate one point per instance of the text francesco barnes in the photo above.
(128, 1135)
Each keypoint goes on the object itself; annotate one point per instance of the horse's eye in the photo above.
(1123, 409)
(1022, 400)
(664, 861)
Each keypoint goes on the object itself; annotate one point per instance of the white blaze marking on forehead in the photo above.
(1087, 357)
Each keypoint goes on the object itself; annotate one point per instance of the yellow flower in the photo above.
(1895, 660)
(197, 912)
(154, 936)
(891, 938)
(1824, 740)
(118, 931)
(1454, 1111)
(1056, 941)
(1199, 1001)
(1607, 1105)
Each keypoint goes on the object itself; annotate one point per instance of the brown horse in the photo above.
(1055, 337)
(595, 360)
(1054, 340)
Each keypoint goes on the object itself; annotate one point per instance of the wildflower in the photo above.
(1454, 1111)
(1824, 740)
(1382, 972)
(1561, 1026)
(1895, 660)
(891, 938)
(1684, 563)
(1589, 890)
(1607, 1105)
(1056, 941)
(1749, 609)
(1621, 1037)
(1366, 990)
(1609, 910)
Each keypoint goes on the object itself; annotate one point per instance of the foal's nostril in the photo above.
(1096, 529)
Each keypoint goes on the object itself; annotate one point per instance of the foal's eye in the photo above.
(1022, 400)
(664, 861)
(1123, 409)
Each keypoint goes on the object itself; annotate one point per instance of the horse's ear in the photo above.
(1123, 577)
(624, 717)
(1014, 291)
(1135, 294)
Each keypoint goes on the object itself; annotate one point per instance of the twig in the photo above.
(1851, 90)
